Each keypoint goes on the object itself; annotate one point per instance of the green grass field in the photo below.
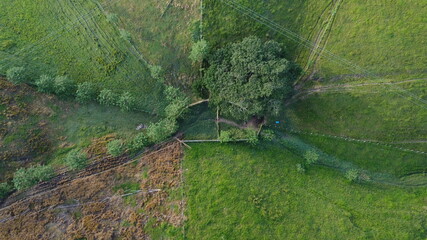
(379, 36)
(73, 38)
(367, 112)
(162, 32)
(236, 191)
(373, 157)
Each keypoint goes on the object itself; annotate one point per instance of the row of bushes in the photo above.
(25, 178)
(312, 157)
(155, 132)
(63, 86)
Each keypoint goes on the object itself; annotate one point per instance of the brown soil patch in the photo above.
(89, 208)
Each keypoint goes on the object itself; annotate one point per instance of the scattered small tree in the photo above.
(140, 141)
(86, 92)
(16, 75)
(27, 177)
(5, 189)
(352, 175)
(161, 130)
(76, 159)
(64, 86)
(311, 157)
(45, 84)
(115, 147)
(107, 97)
(199, 51)
(126, 101)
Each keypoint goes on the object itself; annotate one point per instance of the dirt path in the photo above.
(342, 88)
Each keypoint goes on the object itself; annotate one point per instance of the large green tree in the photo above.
(249, 78)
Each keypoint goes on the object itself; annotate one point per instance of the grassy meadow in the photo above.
(237, 191)
(379, 36)
(162, 32)
(380, 113)
(74, 38)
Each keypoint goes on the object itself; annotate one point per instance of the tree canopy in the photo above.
(249, 78)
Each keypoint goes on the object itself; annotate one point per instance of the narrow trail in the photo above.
(369, 141)
(343, 88)
(322, 37)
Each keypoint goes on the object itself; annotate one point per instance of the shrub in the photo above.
(199, 50)
(140, 141)
(156, 72)
(352, 175)
(45, 84)
(300, 168)
(5, 189)
(27, 177)
(16, 75)
(112, 18)
(161, 130)
(107, 97)
(268, 135)
(196, 31)
(311, 156)
(125, 35)
(226, 136)
(126, 102)
(86, 92)
(64, 86)
(252, 137)
(115, 147)
(177, 102)
(76, 159)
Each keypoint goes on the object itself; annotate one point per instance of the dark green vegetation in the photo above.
(76, 159)
(240, 192)
(28, 177)
(249, 78)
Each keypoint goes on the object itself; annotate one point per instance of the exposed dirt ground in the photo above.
(99, 207)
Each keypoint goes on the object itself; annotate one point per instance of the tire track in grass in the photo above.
(320, 42)
(340, 88)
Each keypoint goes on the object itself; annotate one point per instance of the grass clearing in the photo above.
(73, 38)
(162, 32)
(375, 158)
(236, 191)
(367, 112)
(379, 36)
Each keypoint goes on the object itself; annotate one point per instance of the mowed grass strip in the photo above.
(380, 112)
(236, 191)
(370, 156)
